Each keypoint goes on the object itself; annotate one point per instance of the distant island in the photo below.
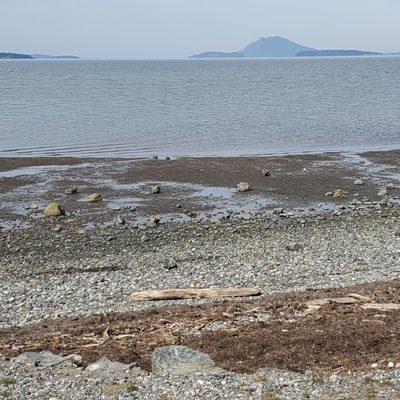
(276, 46)
(16, 56)
(337, 53)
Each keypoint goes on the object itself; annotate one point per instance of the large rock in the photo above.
(95, 198)
(106, 365)
(54, 210)
(180, 360)
(43, 359)
(155, 189)
(243, 187)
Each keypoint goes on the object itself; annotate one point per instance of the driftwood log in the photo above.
(176, 294)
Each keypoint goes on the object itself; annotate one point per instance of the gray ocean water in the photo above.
(195, 107)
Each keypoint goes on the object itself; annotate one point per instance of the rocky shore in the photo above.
(305, 227)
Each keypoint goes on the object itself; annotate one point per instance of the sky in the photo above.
(165, 29)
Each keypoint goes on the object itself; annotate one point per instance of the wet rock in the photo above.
(382, 193)
(180, 360)
(170, 263)
(265, 172)
(105, 365)
(294, 247)
(71, 190)
(95, 198)
(54, 210)
(155, 189)
(339, 193)
(359, 182)
(243, 187)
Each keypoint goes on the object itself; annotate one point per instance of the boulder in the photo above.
(155, 189)
(359, 182)
(339, 193)
(382, 193)
(265, 172)
(181, 360)
(44, 359)
(243, 187)
(153, 221)
(54, 210)
(106, 365)
(95, 198)
(170, 263)
(34, 206)
(71, 190)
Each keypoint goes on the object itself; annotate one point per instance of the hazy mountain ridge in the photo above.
(18, 56)
(276, 46)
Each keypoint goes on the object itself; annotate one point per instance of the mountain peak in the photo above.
(272, 46)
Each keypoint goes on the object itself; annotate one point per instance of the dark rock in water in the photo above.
(180, 360)
(167, 158)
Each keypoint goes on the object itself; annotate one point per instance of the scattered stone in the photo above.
(57, 228)
(180, 360)
(374, 365)
(71, 190)
(382, 193)
(339, 193)
(105, 365)
(120, 220)
(95, 198)
(243, 187)
(54, 210)
(34, 206)
(170, 263)
(328, 194)
(294, 247)
(144, 238)
(278, 210)
(359, 182)
(391, 364)
(155, 189)
(265, 172)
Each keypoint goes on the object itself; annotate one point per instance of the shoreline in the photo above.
(65, 282)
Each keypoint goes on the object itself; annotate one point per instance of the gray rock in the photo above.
(120, 220)
(170, 263)
(153, 221)
(278, 210)
(179, 360)
(294, 247)
(359, 182)
(43, 359)
(144, 238)
(243, 187)
(106, 365)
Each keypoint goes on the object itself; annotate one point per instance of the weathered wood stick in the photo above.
(176, 294)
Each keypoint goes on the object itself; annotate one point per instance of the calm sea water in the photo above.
(216, 107)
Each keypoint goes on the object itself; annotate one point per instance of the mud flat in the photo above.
(65, 282)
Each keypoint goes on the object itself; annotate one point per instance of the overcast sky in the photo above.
(178, 28)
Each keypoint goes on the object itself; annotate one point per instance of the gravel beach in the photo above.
(311, 227)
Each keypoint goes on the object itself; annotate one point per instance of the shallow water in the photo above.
(195, 107)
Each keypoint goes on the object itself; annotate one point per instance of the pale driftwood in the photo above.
(381, 306)
(176, 294)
